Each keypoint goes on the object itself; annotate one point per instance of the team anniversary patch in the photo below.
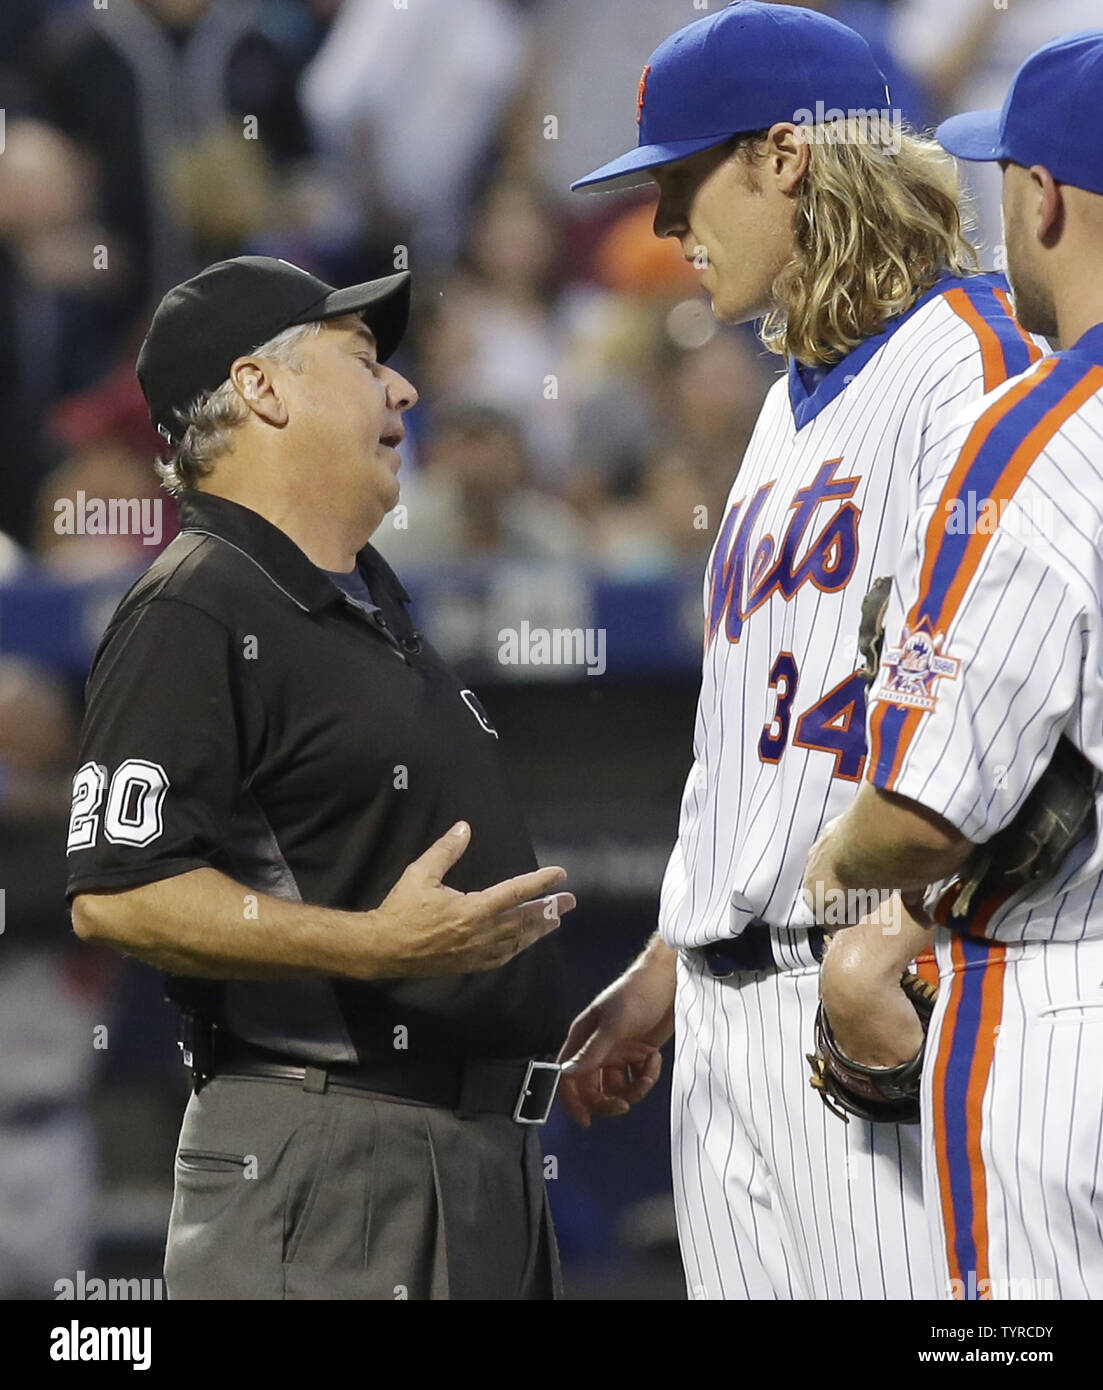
(911, 669)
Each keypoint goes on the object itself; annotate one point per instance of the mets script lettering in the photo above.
(740, 582)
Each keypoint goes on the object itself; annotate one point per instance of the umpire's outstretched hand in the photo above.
(424, 928)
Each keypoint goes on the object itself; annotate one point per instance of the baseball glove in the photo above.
(885, 1095)
(1058, 811)
(871, 631)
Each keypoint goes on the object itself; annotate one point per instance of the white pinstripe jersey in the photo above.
(994, 633)
(817, 513)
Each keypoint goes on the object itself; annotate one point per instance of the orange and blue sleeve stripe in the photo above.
(993, 462)
(962, 1067)
(1005, 349)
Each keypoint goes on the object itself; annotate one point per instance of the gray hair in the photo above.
(211, 417)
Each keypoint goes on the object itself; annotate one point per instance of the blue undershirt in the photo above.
(354, 584)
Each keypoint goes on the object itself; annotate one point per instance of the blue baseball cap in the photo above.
(744, 68)
(1049, 117)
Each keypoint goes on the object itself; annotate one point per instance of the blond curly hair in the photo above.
(876, 225)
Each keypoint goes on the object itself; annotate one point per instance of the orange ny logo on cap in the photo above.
(641, 91)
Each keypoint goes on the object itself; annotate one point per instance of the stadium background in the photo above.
(581, 419)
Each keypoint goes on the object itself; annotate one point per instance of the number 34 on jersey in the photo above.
(742, 581)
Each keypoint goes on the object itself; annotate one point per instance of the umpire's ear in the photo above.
(254, 380)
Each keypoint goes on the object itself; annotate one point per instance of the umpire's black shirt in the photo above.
(244, 714)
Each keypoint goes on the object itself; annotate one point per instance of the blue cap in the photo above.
(744, 68)
(1050, 116)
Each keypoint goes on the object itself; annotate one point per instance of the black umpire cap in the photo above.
(201, 327)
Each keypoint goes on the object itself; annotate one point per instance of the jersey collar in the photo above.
(275, 553)
(1091, 344)
(807, 404)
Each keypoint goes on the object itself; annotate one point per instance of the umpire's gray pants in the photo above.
(283, 1193)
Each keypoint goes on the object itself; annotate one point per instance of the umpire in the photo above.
(276, 775)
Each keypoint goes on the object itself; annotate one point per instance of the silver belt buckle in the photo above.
(527, 1090)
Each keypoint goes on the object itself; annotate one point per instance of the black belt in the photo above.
(751, 951)
(523, 1088)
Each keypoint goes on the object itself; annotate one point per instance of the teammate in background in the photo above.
(1013, 1092)
(847, 238)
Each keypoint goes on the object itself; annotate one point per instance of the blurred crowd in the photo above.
(578, 401)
